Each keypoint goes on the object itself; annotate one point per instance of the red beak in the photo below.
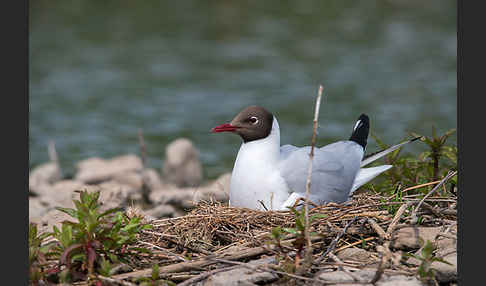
(223, 128)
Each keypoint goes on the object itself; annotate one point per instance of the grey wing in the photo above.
(334, 169)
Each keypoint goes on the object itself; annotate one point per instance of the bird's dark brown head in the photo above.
(252, 123)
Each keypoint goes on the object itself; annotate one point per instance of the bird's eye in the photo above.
(253, 120)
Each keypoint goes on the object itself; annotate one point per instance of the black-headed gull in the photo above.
(265, 172)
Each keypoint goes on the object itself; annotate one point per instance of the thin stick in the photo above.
(377, 228)
(449, 175)
(142, 146)
(309, 172)
(51, 150)
(115, 281)
(335, 241)
(163, 250)
(420, 186)
(398, 215)
(355, 243)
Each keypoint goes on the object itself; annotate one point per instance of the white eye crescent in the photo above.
(253, 120)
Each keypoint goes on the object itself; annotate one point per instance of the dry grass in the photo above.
(191, 245)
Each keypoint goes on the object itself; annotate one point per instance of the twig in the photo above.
(378, 229)
(385, 257)
(142, 147)
(163, 250)
(51, 150)
(355, 243)
(115, 281)
(172, 238)
(263, 204)
(145, 182)
(335, 241)
(309, 172)
(398, 215)
(447, 177)
(340, 267)
(188, 265)
(420, 186)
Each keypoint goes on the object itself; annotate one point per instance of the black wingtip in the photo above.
(361, 130)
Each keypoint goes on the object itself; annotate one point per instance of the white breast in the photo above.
(256, 176)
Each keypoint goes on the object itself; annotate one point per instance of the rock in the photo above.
(413, 237)
(112, 194)
(51, 218)
(242, 276)
(188, 197)
(96, 170)
(182, 166)
(132, 179)
(446, 273)
(161, 211)
(356, 254)
(222, 183)
(152, 179)
(341, 278)
(446, 248)
(44, 175)
(62, 193)
(36, 208)
(217, 190)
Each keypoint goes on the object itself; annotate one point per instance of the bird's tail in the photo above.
(361, 130)
(367, 174)
(382, 153)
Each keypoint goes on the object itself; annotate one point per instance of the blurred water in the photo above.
(100, 70)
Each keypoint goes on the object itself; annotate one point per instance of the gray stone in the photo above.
(356, 254)
(96, 170)
(341, 278)
(152, 179)
(182, 166)
(445, 272)
(413, 237)
(161, 211)
(242, 276)
(52, 218)
(36, 208)
(44, 175)
(62, 193)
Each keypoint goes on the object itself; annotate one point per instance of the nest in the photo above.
(215, 228)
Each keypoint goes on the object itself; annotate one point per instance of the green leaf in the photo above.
(110, 211)
(155, 272)
(277, 232)
(290, 230)
(441, 260)
(72, 212)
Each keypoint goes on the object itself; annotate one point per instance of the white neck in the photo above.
(265, 149)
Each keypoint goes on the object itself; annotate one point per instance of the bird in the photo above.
(267, 176)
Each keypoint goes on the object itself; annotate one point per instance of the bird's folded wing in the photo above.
(333, 171)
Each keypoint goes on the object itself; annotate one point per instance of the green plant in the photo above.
(37, 254)
(154, 279)
(426, 258)
(438, 150)
(98, 239)
(280, 233)
(410, 171)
